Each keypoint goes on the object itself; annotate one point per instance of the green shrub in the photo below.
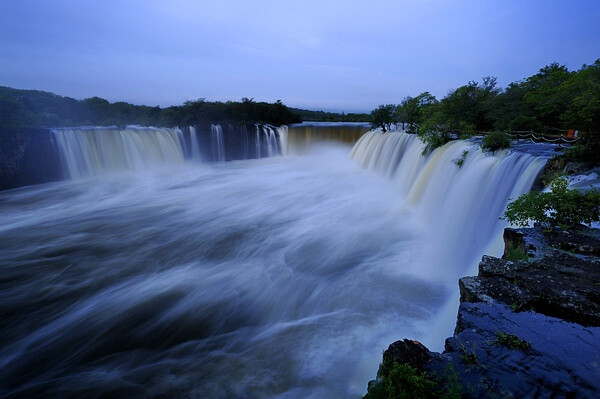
(469, 357)
(452, 388)
(495, 141)
(585, 150)
(432, 141)
(403, 381)
(560, 207)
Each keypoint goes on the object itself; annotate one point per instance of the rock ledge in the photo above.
(525, 328)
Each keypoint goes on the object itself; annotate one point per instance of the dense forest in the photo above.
(551, 102)
(33, 108)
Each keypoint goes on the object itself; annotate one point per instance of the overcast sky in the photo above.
(337, 55)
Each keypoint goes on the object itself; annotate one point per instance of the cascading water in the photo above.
(267, 140)
(195, 145)
(91, 151)
(245, 143)
(457, 190)
(218, 143)
(258, 142)
(280, 277)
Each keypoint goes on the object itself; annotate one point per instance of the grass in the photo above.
(511, 341)
(469, 357)
(515, 254)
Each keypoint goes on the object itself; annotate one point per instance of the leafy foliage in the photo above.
(412, 111)
(551, 101)
(560, 207)
(403, 382)
(495, 141)
(433, 140)
(383, 116)
(460, 161)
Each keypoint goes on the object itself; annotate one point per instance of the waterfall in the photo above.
(90, 151)
(257, 141)
(283, 139)
(461, 203)
(217, 143)
(272, 142)
(245, 142)
(283, 271)
(195, 144)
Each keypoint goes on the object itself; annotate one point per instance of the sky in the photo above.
(345, 55)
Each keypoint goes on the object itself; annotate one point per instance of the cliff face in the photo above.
(27, 156)
(525, 328)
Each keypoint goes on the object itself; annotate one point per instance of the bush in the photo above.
(495, 141)
(432, 141)
(460, 161)
(560, 207)
(585, 150)
(403, 381)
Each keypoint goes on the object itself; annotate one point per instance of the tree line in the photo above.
(34, 108)
(325, 116)
(551, 101)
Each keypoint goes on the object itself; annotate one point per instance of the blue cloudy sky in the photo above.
(321, 54)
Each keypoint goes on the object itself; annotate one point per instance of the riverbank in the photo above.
(528, 326)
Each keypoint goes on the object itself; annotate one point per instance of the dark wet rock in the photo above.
(563, 358)
(537, 242)
(525, 329)
(27, 156)
(413, 353)
(559, 285)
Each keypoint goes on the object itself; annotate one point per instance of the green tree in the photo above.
(584, 110)
(495, 141)
(412, 111)
(383, 116)
(546, 93)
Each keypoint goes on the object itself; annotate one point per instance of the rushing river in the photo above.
(277, 277)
